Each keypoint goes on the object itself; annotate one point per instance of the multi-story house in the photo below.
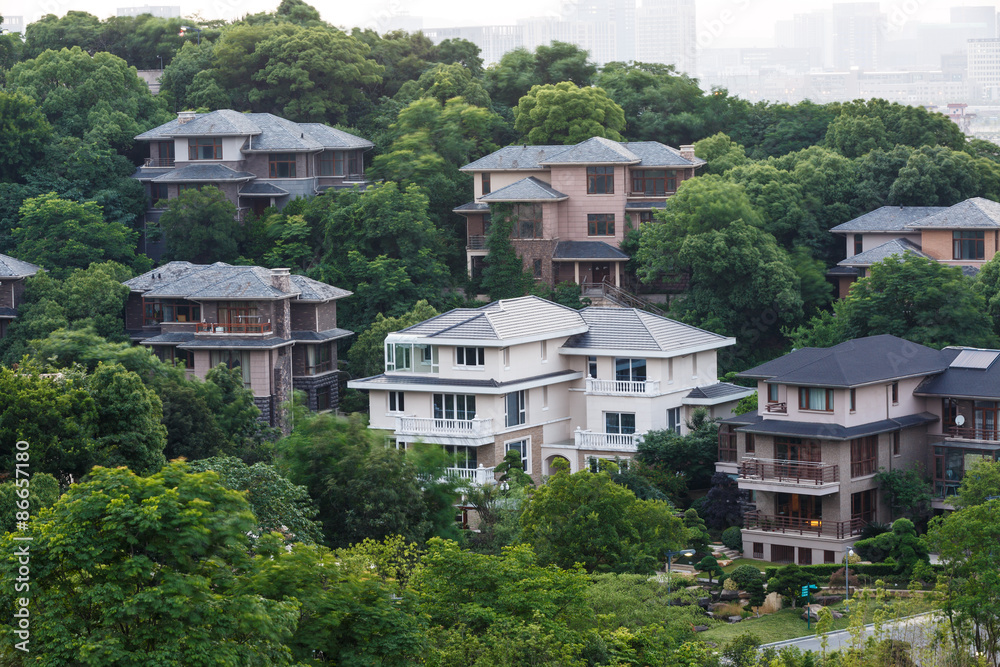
(966, 235)
(257, 159)
(279, 329)
(573, 204)
(13, 273)
(545, 380)
(829, 419)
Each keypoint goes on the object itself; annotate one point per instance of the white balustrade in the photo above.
(432, 426)
(479, 476)
(620, 442)
(623, 387)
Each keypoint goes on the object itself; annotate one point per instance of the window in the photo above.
(464, 457)
(396, 403)
(896, 437)
(674, 420)
(158, 195)
(166, 152)
(175, 356)
(205, 149)
(232, 359)
(326, 163)
(412, 357)
(600, 180)
(828, 557)
(772, 393)
(536, 268)
(751, 444)
(592, 367)
(854, 400)
(527, 222)
(864, 456)
(506, 357)
(969, 245)
(619, 422)
(170, 310)
(486, 183)
(859, 245)
(654, 182)
(454, 406)
(805, 556)
(758, 550)
(470, 356)
(863, 506)
(521, 447)
(781, 553)
(543, 349)
(318, 359)
(797, 449)
(895, 393)
(545, 397)
(645, 216)
(600, 224)
(515, 408)
(281, 165)
(630, 370)
(814, 398)
(322, 398)
(339, 163)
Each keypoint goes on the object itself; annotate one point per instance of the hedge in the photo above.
(826, 569)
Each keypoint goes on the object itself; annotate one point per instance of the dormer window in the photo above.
(209, 148)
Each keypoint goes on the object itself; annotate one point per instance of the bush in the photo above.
(729, 585)
(874, 529)
(745, 574)
(837, 579)
(742, 651)
(732, 537)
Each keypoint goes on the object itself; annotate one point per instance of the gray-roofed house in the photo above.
(587, 194)
(280, 330)
(545, 380)
(966, 235)
(13, 273)
(257, 159)
(828, 419)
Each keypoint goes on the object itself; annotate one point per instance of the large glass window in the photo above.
(864, 456)
(486, 183)
(798, 506)
(233, 359)
(859, 244)
(797, 449)
(522, 448)
(674, 420)
(170, 310)
(600, 224)
(166, 152)
(397, 401)
(816, 398)
(464, 457)
(527, 221)
(863, 506)
(318, 359)
(417, 358)
(653, 182)
(454, 406)
(969, 245)
(619, 422)
(281, 165)
(516, 413)
(209, 148)
(630, 370)
(158, 195)
(470, 356)
(600, 180)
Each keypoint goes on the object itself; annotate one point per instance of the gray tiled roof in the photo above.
(219, 123)
(887, 219)
(194, 173)
(171, 338)
(974, 213)
(331, 137)
(567, 250)
(526, 189)
(472, 207)
(895, 247)
(320, 336)
(844, 271)
(852, 363)
(149, 173)
(633, 329)
(836, 431)
(501, 320)
(515, 157)
(655, 154)
(970, 271)
(596, 150)
(634, 205)
(8, 313)
(11, 267)
(982, 383)
(228, 343)
(260, 188)
(314, 290)
(719, 390)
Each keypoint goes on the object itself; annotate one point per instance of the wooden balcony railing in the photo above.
(476, 243)
(796, 472)
(800, 526)
(776, 408)
(974, 433)
(727, 447)
(234, 328)
(158, 162)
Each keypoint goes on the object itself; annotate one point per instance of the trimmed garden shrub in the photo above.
(732, 537)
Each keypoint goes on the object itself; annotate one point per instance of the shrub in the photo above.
(732, 537)
(728, 609)
(837, 579)
(742, 651)
(874, 529)
(745, 574)
(729, 585)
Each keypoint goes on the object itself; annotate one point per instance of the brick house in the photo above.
(829, 419)
(573, 203)
(13, 273)
(543, 379)
(257, 159)
(279, 329)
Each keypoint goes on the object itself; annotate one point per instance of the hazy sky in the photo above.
(721, 23)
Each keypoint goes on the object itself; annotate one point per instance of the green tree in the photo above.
(200, 226)
(677, 461)
(789, 581)
(566, 114)
(52, 32)
(697, 532)
(131, 570)
(720, 152)
(23, 135)
(853, 136)
(179, 75)
(907, 492)
(128, 428)
(710, 566)
(586, 518)
(939, 176)
(902, 545)
(443, 82)
(987, 284)
(757, 594)
(981, 481)
(367, 355)
(504, 275)
(520, 69)
(43, 492)
(63, 235)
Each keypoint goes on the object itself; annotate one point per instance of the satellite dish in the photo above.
(960, 420)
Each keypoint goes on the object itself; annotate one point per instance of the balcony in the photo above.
(476, 476)
(616, 442)
(476, 243)
(597, 387)
(791, 525)
(158, 162)
(469, 432)
(973, 433)
(776, 408)
(244, 328)
(805, 477)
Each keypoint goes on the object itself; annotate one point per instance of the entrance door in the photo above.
(600, 272)
(259, 205)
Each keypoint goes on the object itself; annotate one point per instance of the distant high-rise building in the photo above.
(857, 35)
(981, 20)
(984, 68)
(159, 11)
(665, 33)
(609, 25)
(814, 32)
(12, 24)
(784, 34)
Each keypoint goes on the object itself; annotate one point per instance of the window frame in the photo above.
(674, 420)
(524, 446)
(629, 369)
(487, 186)
(526, 224)
(276, 160)
(805, 394)
(197, 144)
(600, 180)
(463, 357)
(895, 393)
(620, 425)
(772, 393)
(864, 456)
(596, 222)
(518, 401)
(396, 401)
(449, 410)
(971, 240)
(859, 244)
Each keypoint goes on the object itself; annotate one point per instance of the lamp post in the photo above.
(160, 58)
(847, 578)
(670, 556)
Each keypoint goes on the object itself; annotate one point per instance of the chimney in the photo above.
(185, 116)
(687, 152)
(282, 279)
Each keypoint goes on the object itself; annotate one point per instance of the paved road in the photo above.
(916, 629)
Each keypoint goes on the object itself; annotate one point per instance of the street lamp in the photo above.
(847, 577)
(670, 556)
(160, 58)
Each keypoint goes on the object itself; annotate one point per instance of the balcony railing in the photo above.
(619, 442)
(623, 387)
(476, 243)
(479, 476)
(799, 526)
(158, 162)
(433, 426)
(776, 408)
(796, 472)
(321, 367)
(974, 433)
(234, 328)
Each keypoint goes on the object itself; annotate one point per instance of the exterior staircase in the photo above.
(606, 294)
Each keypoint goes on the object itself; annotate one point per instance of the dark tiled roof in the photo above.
(193, 173)
(962, 382)
(596, 150)
(887, 219)
(220, 122)
(751, 417)
(592, 151)
(149, 173)
(259, 188)
(227, 343)
(893, 248)
(501, 320)
(331, 137)
(172, 338)
(515, 157)
(11, 267)
(633, 329)
(567, 250)
(472, 207)
(836, 431)
(526, 189)
(852, 363)
(844, 271)
(184, 280)
(486, 384)
(970, 271)
(644, 205)
(719, 390)
(320, 336)
(8, 313)
(655, 154)
(975, 213)
(314, 290)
